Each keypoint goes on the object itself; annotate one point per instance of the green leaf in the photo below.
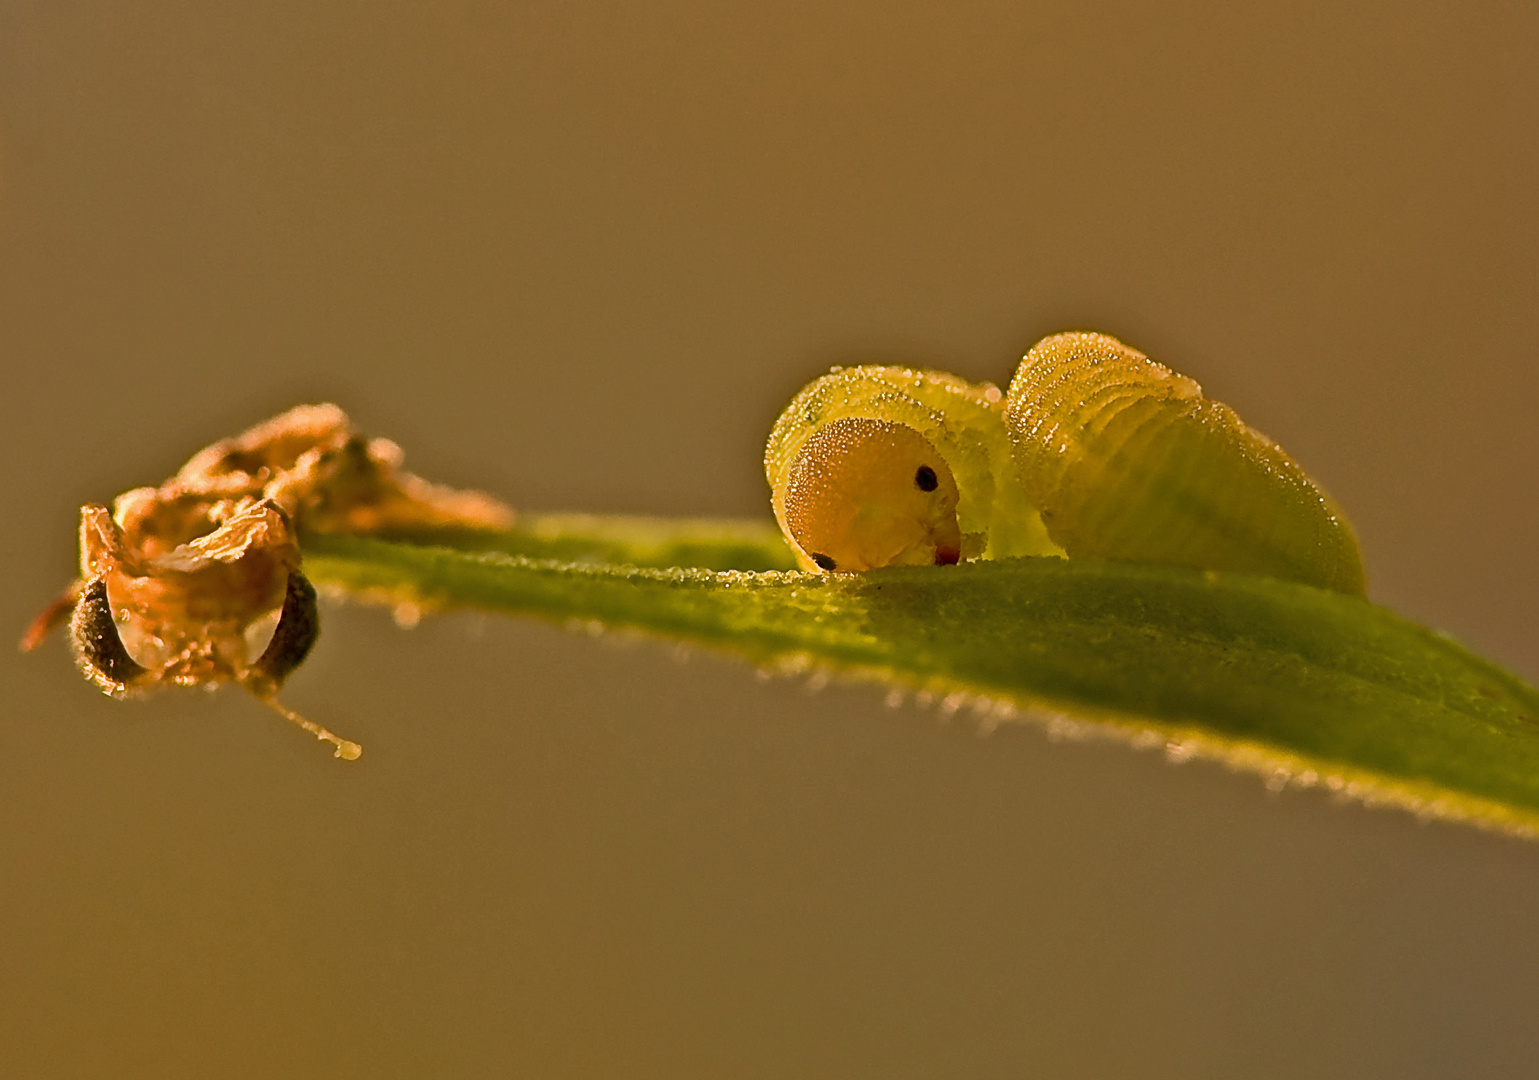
(1304, 685)
(705, 543)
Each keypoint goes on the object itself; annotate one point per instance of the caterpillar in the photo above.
(1095, 451)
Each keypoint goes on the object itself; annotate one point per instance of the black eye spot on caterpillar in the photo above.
(925, 479)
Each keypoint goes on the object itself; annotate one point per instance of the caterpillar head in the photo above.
(863, 493)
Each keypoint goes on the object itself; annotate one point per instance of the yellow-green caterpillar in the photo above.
(1095, 452)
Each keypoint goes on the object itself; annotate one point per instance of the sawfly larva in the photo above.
(1096, 452)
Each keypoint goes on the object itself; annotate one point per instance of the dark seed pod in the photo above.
(299, 625)
(98, 648)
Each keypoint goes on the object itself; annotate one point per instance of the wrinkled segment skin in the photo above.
(852, 501)
(1127, 460)
(959, 422)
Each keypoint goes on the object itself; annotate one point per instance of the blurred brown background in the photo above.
(581, 255)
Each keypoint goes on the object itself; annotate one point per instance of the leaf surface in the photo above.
(1302, 684)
